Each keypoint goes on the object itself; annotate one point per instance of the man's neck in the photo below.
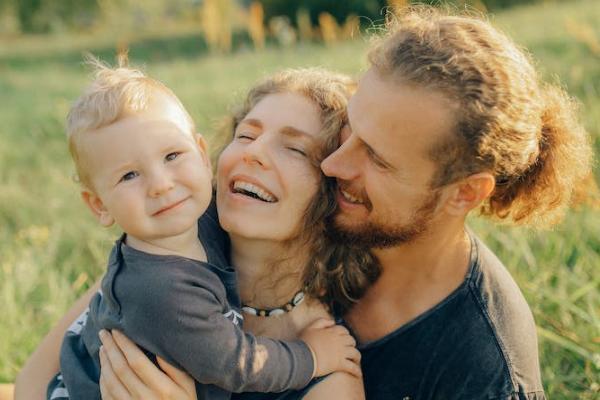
(268, 273)
(185, 244)
(414, 277)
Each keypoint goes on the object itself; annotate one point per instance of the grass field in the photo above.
(51, 250)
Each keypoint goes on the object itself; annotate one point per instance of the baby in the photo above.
(168, 285)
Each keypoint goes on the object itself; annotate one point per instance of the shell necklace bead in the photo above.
(271, 312)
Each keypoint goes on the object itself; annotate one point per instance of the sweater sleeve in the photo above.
(182, 317)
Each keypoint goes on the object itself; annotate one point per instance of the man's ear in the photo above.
(469, 193)
(95, 204)
(201, 142)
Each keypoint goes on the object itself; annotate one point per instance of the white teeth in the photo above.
(249, 187)
(351, 198)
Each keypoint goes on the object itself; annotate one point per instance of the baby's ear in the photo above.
(201, 142)
(95, 204)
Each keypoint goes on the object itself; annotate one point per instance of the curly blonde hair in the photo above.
(525, 132)
(113, 93)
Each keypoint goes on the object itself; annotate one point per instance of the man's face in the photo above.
(383, 168)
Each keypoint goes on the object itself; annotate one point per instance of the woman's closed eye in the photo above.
(245, 136)
(297, 150)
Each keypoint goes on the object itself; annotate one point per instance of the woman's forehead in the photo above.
(286, 110)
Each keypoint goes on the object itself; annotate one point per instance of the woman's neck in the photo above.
(269, 273)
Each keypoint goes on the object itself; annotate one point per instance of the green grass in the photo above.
(51, 250)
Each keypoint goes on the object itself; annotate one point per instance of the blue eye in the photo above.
(129, 176)
(172, 156)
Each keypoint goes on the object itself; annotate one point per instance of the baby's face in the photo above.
(150, 174)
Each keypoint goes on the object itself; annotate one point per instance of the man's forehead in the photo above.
(389, 110)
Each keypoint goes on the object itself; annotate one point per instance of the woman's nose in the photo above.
(256, 152)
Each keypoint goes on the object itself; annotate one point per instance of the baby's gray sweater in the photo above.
(187, 312)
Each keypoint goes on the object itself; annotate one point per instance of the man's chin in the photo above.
(372, 235)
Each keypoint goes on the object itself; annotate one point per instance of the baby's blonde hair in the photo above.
(113, 93)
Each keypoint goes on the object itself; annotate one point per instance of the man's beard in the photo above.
(380, 235)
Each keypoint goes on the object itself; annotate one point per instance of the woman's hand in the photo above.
(126, 373)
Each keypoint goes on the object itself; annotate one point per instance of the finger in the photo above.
(321, 323)
(104, 395)
(121, 367)
(353, 355)
(110, 386)
(182, 379)
(349, 341)
(340, 330)
(151, 378)
(351, 368)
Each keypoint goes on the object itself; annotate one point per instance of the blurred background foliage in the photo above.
(45, 16)
(210, 52)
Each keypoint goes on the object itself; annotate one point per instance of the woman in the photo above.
(273, 201)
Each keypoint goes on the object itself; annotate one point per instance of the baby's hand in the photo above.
(333, 347)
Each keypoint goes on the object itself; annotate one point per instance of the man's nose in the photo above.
(343, 163)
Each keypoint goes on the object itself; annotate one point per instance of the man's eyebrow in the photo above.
(295, 132)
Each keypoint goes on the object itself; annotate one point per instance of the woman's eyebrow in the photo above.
(252, 122)
(297, 133)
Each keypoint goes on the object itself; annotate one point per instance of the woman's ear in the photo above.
(468, 193)
(95, 204)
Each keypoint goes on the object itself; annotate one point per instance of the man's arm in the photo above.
(43, 364)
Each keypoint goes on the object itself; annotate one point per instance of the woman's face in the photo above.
(265, 179)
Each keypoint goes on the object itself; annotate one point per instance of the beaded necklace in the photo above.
(270, 312)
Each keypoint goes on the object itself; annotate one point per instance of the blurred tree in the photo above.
(329, 28)
(338, 9)
(27, 10)
(217, 23)
(368, 9)
(305, 28)
(256, 27)
(36, 16)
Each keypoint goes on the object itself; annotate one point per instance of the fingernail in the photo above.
(102, 334)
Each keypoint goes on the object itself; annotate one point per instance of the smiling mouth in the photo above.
(253, 191)
(170, 207)
(350, 198)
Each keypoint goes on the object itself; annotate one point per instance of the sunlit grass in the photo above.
(51, 250)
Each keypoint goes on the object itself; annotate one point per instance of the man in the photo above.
(448, 119)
